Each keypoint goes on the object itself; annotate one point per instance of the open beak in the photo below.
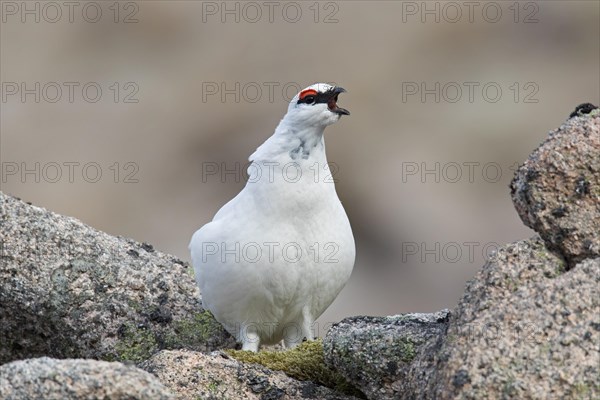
(332, 102)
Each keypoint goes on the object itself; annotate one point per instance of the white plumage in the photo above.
(277, 255)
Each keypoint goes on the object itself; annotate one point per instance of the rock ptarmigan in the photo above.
(276, 256)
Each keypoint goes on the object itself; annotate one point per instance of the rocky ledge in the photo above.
(87, 315)
(527, 326)
(70, 291)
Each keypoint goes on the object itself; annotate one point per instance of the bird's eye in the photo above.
(309, 99)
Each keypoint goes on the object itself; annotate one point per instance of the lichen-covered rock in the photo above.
(386, 357)
(51, 379)
(557, 190)
(216, 376)
(526, 328)
(70, 291)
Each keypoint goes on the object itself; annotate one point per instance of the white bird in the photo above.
(276, 256)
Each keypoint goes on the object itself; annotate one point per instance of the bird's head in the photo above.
(317, 105)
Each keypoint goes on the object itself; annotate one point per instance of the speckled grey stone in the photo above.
(557, 190)
(51, 379)
(528, 324)
(525, 329)
(386, 357)
(70, 291)
(192, 375)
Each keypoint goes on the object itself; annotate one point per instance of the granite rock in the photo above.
(193, 375)
(527, 325)
(526, 328)
(557, 190)
(381, 355)
(52, 379)
(70, 291)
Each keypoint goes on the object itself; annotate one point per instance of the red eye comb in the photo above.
(307, 92)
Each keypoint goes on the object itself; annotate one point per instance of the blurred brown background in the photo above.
(419, 237)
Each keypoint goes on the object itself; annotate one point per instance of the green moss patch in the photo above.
(305, 363)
